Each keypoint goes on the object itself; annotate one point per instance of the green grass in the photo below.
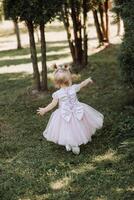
(7, 57)
(33, 169)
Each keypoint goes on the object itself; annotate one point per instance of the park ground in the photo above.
(32, 168)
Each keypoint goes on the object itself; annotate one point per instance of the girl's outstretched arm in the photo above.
(42, 111)
(85, 82)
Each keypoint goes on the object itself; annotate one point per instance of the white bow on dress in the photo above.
(76, 111)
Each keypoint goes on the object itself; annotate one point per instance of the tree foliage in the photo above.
(32, 10)
(126, 10)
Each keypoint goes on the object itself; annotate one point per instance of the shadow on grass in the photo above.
(9, 62)
(55, 28)
(13, 81)
(26, 51)
(11, 85)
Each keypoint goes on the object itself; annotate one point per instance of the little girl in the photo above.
(73, 123)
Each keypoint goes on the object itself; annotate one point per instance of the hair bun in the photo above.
(55, 66)
(61, 68)
(67, 67)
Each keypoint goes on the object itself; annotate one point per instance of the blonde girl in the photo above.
(72, 123)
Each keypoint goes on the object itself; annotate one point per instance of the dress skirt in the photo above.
(74, 132)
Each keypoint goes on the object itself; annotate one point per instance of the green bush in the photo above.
(126, 9)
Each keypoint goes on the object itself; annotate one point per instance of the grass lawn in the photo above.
(33, 169)
(23, 56)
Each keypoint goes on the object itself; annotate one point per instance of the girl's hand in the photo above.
(90, 80)
(41, 111)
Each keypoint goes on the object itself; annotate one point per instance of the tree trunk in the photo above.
(98, 29)
(33, 55)
(17, 32)
(107, 20)
(43, 53)
(118, 24)
(37, 34)
(77, 33)
(65, 18)
(85, 42)
(101, 11)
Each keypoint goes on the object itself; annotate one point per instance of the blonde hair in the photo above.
(62, 76)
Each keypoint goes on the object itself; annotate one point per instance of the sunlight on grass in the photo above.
(119, 189)
(59, 184)
(109, 155)
(101, 198)
(59, 44)
(130, 189)
(83, 168)
(37, 197)
(51, 53)
(17, 69)
(58, 53)
(41, 197)
(17, 78)
(28, 67)
(15, 57)
(126, 143)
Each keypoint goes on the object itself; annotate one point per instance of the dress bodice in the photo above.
(68, 102)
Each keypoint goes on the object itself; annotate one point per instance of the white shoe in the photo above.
(76, 150)
(68, 147)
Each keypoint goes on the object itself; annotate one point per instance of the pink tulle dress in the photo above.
(73, 123)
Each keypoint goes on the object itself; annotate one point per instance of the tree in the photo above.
(65, 16)
(76, 20)
(106, 6)
(85, 36)
(126, 8)
(35, 13)
(1, 10)
(74, 16)
(48, 11)
(101, 12)
(117, 18)
(33, 51)
(17, 32)
(98, 27)
(15, 22)
(102, 20)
